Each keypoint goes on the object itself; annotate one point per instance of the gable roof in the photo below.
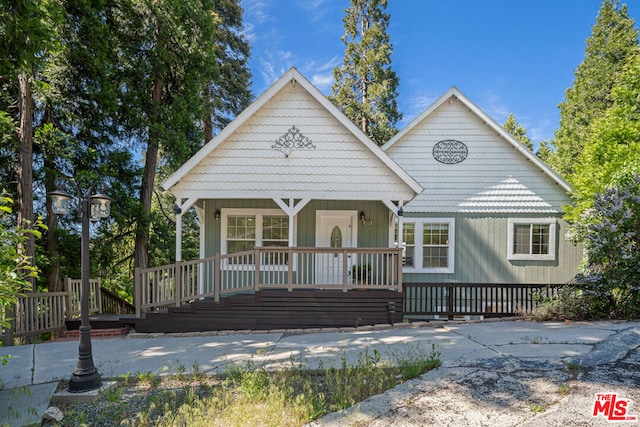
(494, 174)
(379, 162)
(489, 122)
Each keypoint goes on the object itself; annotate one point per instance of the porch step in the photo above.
(276, 309)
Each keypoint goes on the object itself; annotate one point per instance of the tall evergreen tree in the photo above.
(167, 58)
(366, 86)
(612, 39)
(229, 94)
(27, 38)
(514, 128)
(612, 148)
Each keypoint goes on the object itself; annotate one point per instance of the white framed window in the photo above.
(429, 244)
(532, 239)
(245, 229)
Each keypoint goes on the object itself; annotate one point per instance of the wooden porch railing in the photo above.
(450, 300)
(268, 268)
(38, 313)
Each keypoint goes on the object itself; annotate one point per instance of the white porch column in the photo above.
(179, 236)
(180, 209)
(400, 214)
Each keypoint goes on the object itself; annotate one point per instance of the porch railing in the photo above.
(450, 300)
(38, 313)
(268, 268)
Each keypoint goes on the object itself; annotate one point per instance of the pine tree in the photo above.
(366, 86)
(514, 128)
(612, 39)
(167, 58)
(611, 152)
(27, 39)
(229, 94)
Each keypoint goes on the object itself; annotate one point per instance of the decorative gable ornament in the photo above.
(450, 151)
(292, 139)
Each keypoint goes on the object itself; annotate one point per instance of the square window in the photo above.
(532, 239)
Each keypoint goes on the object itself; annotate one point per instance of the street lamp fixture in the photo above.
(91, 207)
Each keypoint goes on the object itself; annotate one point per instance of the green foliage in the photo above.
(514, 128)
(613, 143)
(567, 304)
(250, 395)
(610, 232)
(366, 86)
(228, 93)
(612, 40)
(15, 267)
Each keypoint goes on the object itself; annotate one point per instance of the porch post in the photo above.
(400, 215)
(178, 236)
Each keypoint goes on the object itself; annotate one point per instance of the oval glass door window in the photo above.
(336, 238)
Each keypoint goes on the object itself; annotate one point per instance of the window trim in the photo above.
(259, 214)
(418, 246)
(551, 256)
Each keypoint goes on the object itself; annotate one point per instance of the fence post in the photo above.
(98, 292)
(345, 269)
(216, 277)
(256, 276)
(290, 272)
(137, 287)
(450, 302)
(9, 314)
(177, 280)
(399, 272)
(68, 304)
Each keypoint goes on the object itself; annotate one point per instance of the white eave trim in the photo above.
(454, 92)
(292, 75)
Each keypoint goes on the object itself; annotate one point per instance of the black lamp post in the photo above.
(92, 207)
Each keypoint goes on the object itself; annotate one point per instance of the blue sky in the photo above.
(507, 56)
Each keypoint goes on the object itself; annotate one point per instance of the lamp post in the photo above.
(91, 207)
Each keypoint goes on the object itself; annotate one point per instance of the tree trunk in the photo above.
(141, 255)
(208, 122)
(25, 168)
(54, 281)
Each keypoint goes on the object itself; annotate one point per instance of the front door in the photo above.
(334, 229)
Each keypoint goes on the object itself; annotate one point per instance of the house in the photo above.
(292, 195)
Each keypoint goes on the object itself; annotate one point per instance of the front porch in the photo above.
(275, 268)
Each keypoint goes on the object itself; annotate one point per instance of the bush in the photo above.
(610, 231)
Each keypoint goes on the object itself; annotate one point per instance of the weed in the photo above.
(251, 395)
(564, 390)
(573, 366)
(413, 362)
(536, 408)
(113, 395)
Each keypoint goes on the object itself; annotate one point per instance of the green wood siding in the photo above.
(481, 254)
(480, 242)
(374, 234)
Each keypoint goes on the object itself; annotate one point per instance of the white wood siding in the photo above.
(340, 167)
(494, 178)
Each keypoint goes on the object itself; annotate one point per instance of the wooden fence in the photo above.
(37, 313)
(455, 300)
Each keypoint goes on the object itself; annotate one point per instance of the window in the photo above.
(532, 239)
(245, 229)
(428, 244)
(435, 242)
(408, 243)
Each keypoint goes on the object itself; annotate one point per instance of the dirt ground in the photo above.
(504, 393)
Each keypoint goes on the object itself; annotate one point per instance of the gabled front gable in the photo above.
(333, 159)
(468, 163)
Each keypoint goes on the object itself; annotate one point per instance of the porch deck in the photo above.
(279, 309)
